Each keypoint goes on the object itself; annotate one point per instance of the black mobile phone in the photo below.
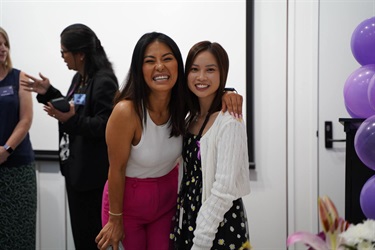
(60, 104)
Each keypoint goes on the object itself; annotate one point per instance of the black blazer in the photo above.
(87, 165)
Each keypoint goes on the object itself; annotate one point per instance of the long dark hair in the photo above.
(137, 90)
(222, 60)
(80, 38)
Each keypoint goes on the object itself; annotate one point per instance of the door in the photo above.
(338, 19)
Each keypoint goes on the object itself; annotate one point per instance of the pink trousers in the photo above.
(149, 205)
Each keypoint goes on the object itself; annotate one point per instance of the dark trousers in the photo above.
(85, 216)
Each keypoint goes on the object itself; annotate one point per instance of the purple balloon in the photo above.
(367, 198)
(364, 142)
(371, 92)
(363, 42)
(351, 112)
(356, 91)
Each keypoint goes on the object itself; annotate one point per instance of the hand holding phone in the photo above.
(61, 104)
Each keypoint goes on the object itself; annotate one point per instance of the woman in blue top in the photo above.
(17, 169)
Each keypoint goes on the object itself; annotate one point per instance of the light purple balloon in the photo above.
(367, 198)
(363, 42)
(371, 92)
(356, 91)
(364, 142)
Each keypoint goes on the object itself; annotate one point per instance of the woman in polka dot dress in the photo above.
(210, 213)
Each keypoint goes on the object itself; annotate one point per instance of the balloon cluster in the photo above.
(364, 144)
(359, 88)
(359, 97)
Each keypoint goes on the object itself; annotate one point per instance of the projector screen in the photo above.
(34, 29)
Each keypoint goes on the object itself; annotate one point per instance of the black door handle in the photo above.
(328, 135)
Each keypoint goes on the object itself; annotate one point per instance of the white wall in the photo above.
(53, 228)
(266, 205)
(302, 118)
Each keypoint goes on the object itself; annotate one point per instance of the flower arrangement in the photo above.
(337, 233)
(360, 236)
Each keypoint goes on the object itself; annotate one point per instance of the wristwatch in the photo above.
(8, 148)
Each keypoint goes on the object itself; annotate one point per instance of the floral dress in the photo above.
(232, 231)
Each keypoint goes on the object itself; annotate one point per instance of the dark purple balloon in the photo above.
(364, 142)
(367, 198)
(363, 42)
(356, 92)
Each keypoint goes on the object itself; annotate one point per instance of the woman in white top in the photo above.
(210, 212)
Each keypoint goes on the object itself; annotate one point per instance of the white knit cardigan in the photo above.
(225, 175)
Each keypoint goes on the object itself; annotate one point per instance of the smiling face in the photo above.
(160, 67)
(204, 76)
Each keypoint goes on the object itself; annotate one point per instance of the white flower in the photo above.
(361, 236)
(365, 245)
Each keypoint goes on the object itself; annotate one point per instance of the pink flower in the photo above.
(332, 224)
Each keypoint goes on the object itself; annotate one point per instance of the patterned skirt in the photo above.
(18, 204)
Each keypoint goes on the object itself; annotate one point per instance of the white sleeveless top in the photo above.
(156, 154)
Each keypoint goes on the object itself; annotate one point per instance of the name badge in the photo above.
(7, 90)
(79, 99)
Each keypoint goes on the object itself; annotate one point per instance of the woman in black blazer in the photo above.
(82, 146)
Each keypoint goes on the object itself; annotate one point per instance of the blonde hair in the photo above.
(8, 62)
